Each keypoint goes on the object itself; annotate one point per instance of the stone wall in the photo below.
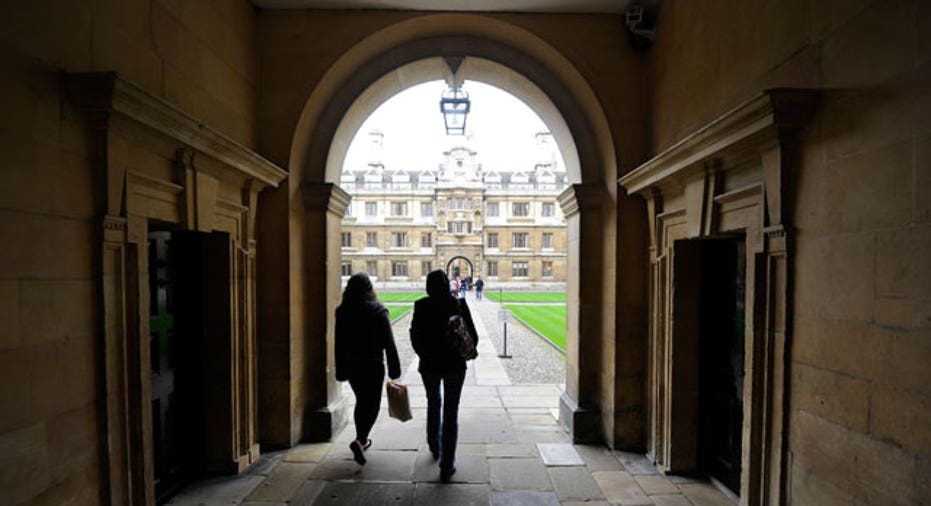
(197, 55)
(860, 386)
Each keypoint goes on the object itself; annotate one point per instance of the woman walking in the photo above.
(440, 363)
(363, 339)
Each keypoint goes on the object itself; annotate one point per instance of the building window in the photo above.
(519, 269)
(520, 209)
(371, 267)
(398, 239)
(492, 209)
(449, 203)
(371, 239)
(348, 211)
(460, 203)
(519, 240)
(547, 269)
(547, 242)
(548, 209)
(449, 227)
(426, 240)
(399, 209)
(425, 268)
(371, 208)
(426, 209)
(346, 239)
(492, 269)
(399, 268)
(492, 239)
(345, 268)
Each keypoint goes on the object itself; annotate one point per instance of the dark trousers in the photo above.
(367, 384)
(443, 438)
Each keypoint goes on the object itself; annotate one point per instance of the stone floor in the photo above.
(511, 452)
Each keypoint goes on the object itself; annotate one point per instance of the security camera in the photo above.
(641, 26)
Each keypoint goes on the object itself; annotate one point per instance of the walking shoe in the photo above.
(368, 443)
(447, 474)
(435, 452)
(358, 453)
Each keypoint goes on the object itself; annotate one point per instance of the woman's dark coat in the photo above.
(428, 333)
(363, 339)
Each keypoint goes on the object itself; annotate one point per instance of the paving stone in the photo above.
(704, 494)
(225, 490)
(394, 435)
(283, 482)
(307, 492)
(598, 458)
(524, 498)
(511, 450)
(337, 470)
(559, 454)
(518, 474)
(267, 462)
(388, 466)
(433, 494)
(469, 469)
(262, 503)
(655, 485)
(530, 401)
(635, 463)
(620, 487)
(679, 480)
(366, 494)
(586, 503)
(543, 419)
(574, 483)
(480, 402)
(670, 500)
(308, 452)
(545, 390)
(541, 436)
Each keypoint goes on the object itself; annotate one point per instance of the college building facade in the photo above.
(504, 226)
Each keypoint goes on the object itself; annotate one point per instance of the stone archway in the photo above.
(503, 53)
(454, 267)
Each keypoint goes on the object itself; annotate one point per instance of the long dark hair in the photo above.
(359, 289)
(438, 284)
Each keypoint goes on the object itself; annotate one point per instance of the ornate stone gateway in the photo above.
(721, 251)
(459, 267)
(166, 182)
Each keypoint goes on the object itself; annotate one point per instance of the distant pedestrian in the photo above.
(479, 287)
(363, 339)
(463, 288)
(441, 363)
(454, 287)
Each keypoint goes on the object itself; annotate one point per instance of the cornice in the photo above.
(755, 124)
(108, 93)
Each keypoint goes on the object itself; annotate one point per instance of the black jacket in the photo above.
(428, 333)
(363, 338)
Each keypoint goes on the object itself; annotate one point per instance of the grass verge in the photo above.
(526, 296)
(547, 320)
(396, 311)
(387, 297)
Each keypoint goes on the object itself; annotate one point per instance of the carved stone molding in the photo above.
(104, 93)
(730, 178)
(328, 195)
(581, 196)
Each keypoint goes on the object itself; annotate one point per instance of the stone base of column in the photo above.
(323, 424)
(582, 424)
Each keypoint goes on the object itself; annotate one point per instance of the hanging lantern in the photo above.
(455, 106)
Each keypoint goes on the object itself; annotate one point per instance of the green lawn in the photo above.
(547, 320)
(527, 296)
(396, 310)
(400, 296)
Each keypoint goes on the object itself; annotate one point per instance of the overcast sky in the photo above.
(502, 130)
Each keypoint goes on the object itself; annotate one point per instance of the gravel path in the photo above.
(534, 360)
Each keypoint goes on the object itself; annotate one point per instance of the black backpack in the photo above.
(461, 340)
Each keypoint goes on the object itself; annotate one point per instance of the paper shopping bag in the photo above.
(399, 404)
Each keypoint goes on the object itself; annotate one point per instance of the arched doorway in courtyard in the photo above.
(459, 267)
(501, 54)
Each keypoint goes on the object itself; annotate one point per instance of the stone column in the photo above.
(579, 407)
(325, 403)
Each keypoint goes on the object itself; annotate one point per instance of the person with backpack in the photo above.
(363, 341)
(443, 336)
